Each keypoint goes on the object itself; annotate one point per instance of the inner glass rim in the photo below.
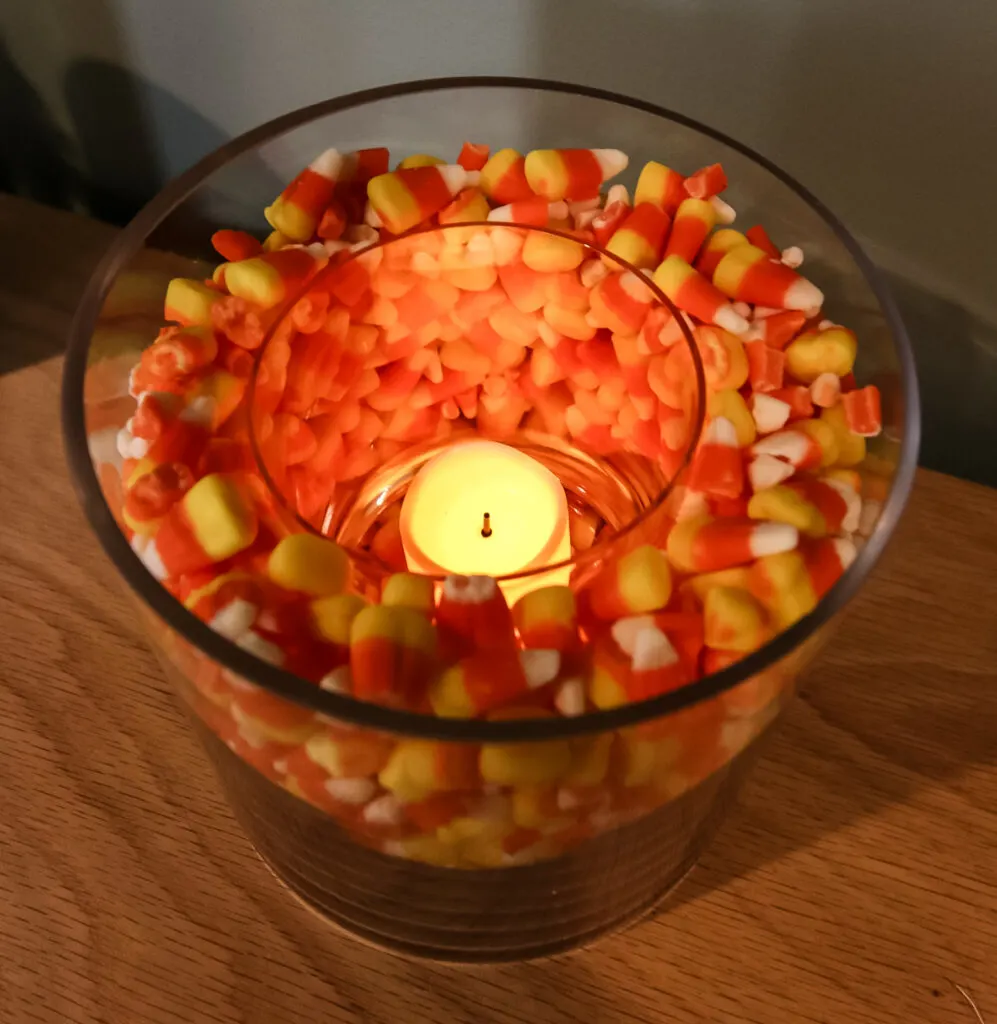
(599, 549)
(409, 723)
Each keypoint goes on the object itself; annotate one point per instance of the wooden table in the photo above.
(857, 885)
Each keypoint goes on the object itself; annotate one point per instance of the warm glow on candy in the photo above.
(443, 524)
(326, 356)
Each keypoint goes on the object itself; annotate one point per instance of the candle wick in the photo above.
(486, 526)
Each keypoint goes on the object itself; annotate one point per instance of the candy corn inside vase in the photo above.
(484, 502)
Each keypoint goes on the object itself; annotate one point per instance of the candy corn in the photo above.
(638, 582)
(694, 220)
(641, 237)
(706, 182)
(545, 618)
(660, 185)
(311, 564)
(212, 522)
(295, 213)
(474, 609)
(572, 173)
(702, 544)
(268, 279)
(503, 178)
(694, 294)
(405, 198)
(862, 411)
(391, 653)
(718, 467)
(746, 273)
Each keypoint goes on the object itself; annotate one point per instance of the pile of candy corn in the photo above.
(360, 350)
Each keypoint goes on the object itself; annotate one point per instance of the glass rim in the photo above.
(599, 549)
(409, 723)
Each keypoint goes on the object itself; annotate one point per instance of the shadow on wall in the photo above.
(35, 156)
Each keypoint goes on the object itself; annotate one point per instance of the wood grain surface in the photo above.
(856, 885)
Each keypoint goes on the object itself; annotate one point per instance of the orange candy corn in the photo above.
(759, 237)
(535, 211)
(392, 650)
(473, 156)
(777, 330)
(717, 246)
(660, 185)
(486, 680)
(694, 220)
(406, 198)
(621, 302)
(826, 560)
(706, 182)
(702, 544)
(694, 294)
(572, 173)
(212, 522)
(638, 582)
(718, 466)
(503, 178)
(862, 411)
(641, 237)
(546, 618)
(268, 279)
(474, 609)
(766, 366)
(235, 245)
(297, 210)
(748, 274)
(655, 666)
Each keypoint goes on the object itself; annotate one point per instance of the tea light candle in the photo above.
(483, 508)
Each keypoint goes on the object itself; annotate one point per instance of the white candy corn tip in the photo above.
(787, 444)
(767, 471)
(853, 503)
(592, 272)
(773, 539)
(149, 554)
(371, 217)
(351, 791)
(770, 414)
(385, 810)
(328, 165)
(129, 446)
(570, 698)
(236, 618)
(792, 257)
(617, 194)
(455, 177)
(540, 666)
(625, 631)
(611, 161)
(730, 320)
(720, 431)
(262, 649)
(846, 551)
(652, 650)
(200, 410)
(803, 294)
(726, 214)
(469, 589)
(339, 680)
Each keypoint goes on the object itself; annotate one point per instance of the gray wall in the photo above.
(884, 108)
